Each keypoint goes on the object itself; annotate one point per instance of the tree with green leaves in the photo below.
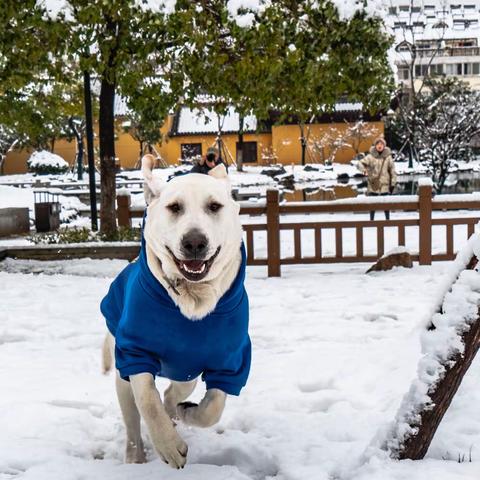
(122, 44)
(324, 58)
(298, 58)
(230, 62)
(39, 112)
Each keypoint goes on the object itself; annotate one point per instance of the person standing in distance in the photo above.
(379, 168)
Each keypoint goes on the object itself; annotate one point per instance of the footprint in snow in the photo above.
(255, 464)
(379, 317)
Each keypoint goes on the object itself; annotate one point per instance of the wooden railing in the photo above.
(274, 215)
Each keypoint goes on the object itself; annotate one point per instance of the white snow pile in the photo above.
(439, 347)
(348, 8)
(43, 158)
(243, 11)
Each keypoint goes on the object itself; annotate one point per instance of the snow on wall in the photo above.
(459, 309)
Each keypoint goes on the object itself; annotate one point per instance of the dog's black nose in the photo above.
(194, 244)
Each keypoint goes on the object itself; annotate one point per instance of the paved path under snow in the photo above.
(334, 352)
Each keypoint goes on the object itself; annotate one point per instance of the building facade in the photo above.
(436, 37)
(189, 132)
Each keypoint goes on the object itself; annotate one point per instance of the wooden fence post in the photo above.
(123, 210)
(425, 228)
(273, 233)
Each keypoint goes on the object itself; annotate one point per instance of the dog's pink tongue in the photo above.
(194, 264)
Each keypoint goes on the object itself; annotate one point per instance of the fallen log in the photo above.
(449, 344)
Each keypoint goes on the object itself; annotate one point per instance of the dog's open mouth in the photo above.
(194, 270)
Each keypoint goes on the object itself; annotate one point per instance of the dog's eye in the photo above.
(214, 206)
(175, 207)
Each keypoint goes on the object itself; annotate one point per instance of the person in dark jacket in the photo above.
(211, 160)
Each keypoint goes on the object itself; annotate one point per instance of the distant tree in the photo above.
(326, 145)
(144, 128)
(416, 67)
(39, 112)
(8, 140)
(123, 45)
(323, 57)
(447, 119)
(229, 58)
(358, 133)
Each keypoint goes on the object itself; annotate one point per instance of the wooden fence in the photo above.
(273, 213)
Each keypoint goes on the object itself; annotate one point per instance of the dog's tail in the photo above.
(107, 358)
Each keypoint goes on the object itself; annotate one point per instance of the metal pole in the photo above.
(91, 160)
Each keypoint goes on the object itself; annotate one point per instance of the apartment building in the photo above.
(436, 38)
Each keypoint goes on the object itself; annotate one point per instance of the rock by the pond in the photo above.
(273, 171)
(398, 257)
(311, 168)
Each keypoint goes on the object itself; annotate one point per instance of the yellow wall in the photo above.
(281, 146)
(286, 142)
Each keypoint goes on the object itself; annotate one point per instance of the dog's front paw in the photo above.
(173, 449)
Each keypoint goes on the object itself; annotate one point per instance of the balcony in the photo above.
(448, 52)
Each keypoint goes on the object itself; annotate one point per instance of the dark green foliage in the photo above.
(83, 235)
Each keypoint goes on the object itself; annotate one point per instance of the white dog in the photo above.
(180, 311)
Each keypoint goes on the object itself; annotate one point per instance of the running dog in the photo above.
(180, 311)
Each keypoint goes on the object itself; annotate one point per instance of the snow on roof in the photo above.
(206, 121)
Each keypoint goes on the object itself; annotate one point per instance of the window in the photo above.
(404, 8)
(454, 69)
(469, 7)
(436, 69)
(459, 24)
(471, 68)
(399, 24)
(421, 70)
(455, 7)
(403, 73)
(392, 10)
(416, 9)
(249, 152)
(190, 150)
(428, 8)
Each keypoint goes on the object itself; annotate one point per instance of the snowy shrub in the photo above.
(46, 163)
(83, 235)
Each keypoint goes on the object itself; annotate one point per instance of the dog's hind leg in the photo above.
(134, 452)
(176, 393)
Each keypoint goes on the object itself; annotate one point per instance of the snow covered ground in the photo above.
(334, 352)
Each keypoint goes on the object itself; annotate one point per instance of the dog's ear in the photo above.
(219, 172)
(151, 189)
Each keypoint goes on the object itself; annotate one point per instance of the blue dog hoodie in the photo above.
(153, 336)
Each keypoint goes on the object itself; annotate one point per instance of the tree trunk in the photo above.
(303, 142)
(416, 447)
(2, 162)
(240, 145)
(108, 221)
(52, 144)
(79, 144)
